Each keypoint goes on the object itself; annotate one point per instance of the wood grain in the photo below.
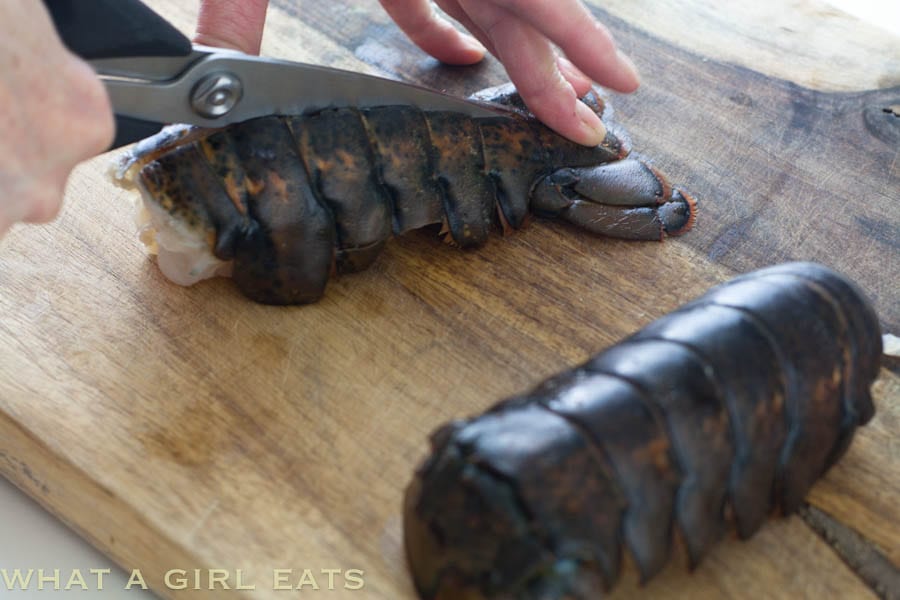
(183, 428)
(810, 43)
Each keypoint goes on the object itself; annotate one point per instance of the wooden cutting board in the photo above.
(189, 428)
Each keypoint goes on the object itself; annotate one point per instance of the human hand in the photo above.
(235, 24)
(518, 32)
(54, 113)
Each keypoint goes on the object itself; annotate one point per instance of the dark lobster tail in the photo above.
(726, 410)
(292, 199)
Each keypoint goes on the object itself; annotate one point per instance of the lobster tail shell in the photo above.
(293, 199)
(720, 413)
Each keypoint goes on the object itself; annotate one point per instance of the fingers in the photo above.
(55, 114)
(432, 33)
(236, 24)
(521, 34)
(78, 130)
(533, 67)
(452, 8)
(580, 82)
(586, 42)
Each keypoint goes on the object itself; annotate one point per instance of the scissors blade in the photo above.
(145, 89)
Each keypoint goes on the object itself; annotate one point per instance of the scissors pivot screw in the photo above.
(216, 94)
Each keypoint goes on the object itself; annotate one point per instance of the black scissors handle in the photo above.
(98, 29)
(95, 29)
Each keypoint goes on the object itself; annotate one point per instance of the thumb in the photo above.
(236, 24)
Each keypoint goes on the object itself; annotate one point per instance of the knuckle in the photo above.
(550, 89)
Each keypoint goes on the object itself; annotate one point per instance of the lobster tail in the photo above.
(732, 405)
(289, 200)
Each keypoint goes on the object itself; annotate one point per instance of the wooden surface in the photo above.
(188, 428)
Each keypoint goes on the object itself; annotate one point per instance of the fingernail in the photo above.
(630, 72)
(593, 131)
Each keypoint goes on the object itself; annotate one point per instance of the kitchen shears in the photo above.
(154, 75)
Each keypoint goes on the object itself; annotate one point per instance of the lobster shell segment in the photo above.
(714, 416)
